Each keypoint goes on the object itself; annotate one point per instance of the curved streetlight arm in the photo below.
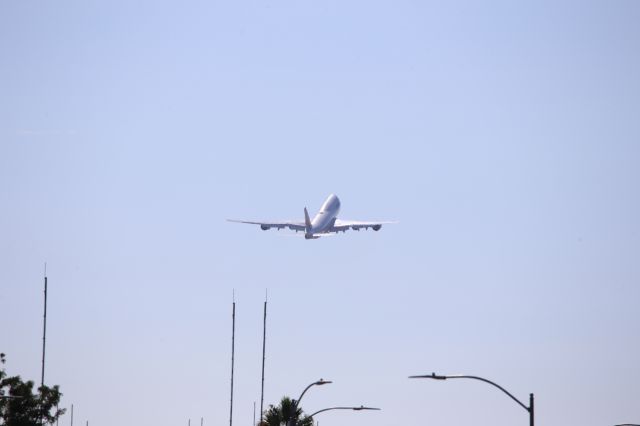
(302, 394)
(438, 377)
(494, 384)
(360, 408)
(295, 403)
(319, 382)
(459, 376)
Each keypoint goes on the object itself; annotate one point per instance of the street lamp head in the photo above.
(430, 376)
(362, 407)
(322, 382)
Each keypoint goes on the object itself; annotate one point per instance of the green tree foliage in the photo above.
(19, 406)
(279, 415)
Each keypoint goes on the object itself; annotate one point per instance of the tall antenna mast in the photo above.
(44, 330)
(264, 341)
(233, 345)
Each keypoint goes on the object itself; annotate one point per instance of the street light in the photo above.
(294, 403)
(435, 376)
(360, 408)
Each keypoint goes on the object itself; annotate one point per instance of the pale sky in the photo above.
(503, 136)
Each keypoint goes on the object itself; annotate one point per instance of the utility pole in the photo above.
(44, 328)
(233, 345)
(264, 342)
(530, 409)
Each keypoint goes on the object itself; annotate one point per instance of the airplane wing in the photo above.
(293, 225)
(356, 225)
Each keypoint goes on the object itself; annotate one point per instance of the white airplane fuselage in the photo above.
(324, 220)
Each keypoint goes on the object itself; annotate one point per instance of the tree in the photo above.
(19, 406)
(279, 415)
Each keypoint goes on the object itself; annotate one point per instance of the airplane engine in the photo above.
(264, 227)
(376, 227)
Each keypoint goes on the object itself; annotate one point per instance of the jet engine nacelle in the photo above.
(264, 227)
(376, 227)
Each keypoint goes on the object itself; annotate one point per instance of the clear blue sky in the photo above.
(504, 136)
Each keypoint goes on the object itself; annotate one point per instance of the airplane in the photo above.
(324, 224)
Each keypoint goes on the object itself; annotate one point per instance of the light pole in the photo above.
(435, 376)
(295, 402)
(360, 408)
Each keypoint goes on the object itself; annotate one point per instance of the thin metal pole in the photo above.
(233, 343)
(264, 342)
(44, 328)
(254, 413)
(71, 414)
(530, 409)
(201, 421)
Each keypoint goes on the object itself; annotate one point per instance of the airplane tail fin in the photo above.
(307, 221)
